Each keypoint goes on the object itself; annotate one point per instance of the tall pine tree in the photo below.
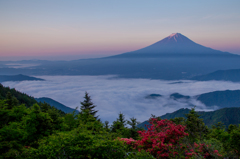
(87, 104)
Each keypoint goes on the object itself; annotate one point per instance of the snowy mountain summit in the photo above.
(176, 38)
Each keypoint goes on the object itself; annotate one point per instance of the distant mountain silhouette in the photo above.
(20, 77)
(55, 104)
(176, 44)
(225, 115)
(220, 75)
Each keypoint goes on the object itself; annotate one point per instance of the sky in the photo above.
(113, 95)
(65, 30)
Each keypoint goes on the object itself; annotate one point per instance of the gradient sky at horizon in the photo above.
(92, 28)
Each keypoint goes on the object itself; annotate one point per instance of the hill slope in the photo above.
(228, 98)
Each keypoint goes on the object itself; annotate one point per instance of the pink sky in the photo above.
(83, 29)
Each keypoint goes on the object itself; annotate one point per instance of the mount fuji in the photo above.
(172, 58)
(173, 45)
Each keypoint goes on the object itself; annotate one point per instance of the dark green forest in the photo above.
(29, 129)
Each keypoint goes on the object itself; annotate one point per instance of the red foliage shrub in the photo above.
(163, 139)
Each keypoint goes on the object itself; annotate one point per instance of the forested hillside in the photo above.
(22, 98)
(40, 131)
(227, 116)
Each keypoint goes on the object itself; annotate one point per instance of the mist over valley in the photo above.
(113, 95)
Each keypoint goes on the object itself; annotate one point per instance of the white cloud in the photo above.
(113, 95)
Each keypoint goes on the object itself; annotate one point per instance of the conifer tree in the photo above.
(119, 124)
(195, 126)
(11, 100)
(106, 125)
(87, 104)
(133, 129)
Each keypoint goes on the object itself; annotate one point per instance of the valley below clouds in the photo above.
(113, 95)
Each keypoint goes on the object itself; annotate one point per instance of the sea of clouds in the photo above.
(113, 95)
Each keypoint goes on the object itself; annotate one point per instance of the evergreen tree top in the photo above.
(87, 104)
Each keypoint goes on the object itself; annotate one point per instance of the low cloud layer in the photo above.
(113, 95)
